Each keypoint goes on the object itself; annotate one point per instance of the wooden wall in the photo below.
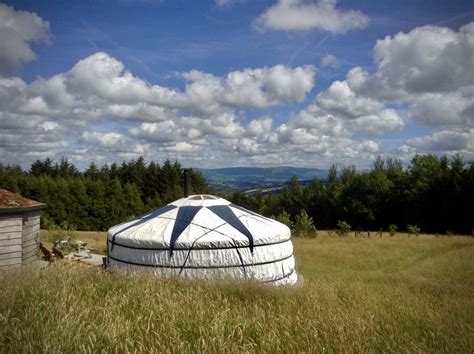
(11, 227)
(31, 227)
(19, 235)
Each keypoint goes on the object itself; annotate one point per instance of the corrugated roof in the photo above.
(14, 200)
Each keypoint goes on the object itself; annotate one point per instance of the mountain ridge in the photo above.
(228, 179)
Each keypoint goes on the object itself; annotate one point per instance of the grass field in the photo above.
(396, 294)
(97, 240)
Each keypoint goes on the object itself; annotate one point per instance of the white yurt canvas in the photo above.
(205, 237)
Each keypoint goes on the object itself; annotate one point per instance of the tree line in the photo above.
(434, 194)
(99, 197)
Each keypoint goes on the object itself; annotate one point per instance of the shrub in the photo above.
(413, 229)
(343, 228)
(392, 229)
(284, 218)
(63, 236)
(47, 222)
(304, 226)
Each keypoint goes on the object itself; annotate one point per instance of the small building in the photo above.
(19, 229)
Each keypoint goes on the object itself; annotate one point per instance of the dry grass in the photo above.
(397, 294)
(97, 240)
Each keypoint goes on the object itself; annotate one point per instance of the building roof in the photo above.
(13, 202)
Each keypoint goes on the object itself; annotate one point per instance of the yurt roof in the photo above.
(198, 221)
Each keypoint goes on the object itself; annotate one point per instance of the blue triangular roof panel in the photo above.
(185, 216)
(226, 214)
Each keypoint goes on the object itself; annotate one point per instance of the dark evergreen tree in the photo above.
(92, 172)
(435, 193)
(133, 203)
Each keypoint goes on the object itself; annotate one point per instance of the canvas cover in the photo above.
(204, 237)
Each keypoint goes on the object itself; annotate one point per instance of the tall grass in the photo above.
(393, 294)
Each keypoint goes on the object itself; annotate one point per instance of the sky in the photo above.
(235, 83)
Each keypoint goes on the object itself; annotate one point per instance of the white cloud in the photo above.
(157, 132)
(17, 30)
(300, 15)
(181, 147)
(26, 141)
(101, 77)
(330, 60)
(385, 121)
(222, 125)
(262, 87)
(260, 126)
(105, 140)
(99, 85)
(117, 114)
(444, 141)
(314, 118)
(99, 89)
(452, 109)
(428, 59)
(429, 71)
(48, 125)
(340, 100)
(339, 111)
(141, 111)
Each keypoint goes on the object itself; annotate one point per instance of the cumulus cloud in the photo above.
(105, 140)
(429, 71)
(18, 29)
(339, 111)
(260, 127)
(101, 77)
(340, 100)
(99, 88)
(444, 141)
(384, 121)
(451, 109)
(162, 132)
(262, 87)
(100, 83)
(21, 135)
(428, 59)
(181, 147)
(300, 15)
(103, 109)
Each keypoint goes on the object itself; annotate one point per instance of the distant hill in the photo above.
(248, 178)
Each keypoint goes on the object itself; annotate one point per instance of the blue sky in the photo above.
(236, 83)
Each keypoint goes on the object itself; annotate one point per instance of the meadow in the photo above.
(392, 293)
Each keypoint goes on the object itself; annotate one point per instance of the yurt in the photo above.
(205, 237)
